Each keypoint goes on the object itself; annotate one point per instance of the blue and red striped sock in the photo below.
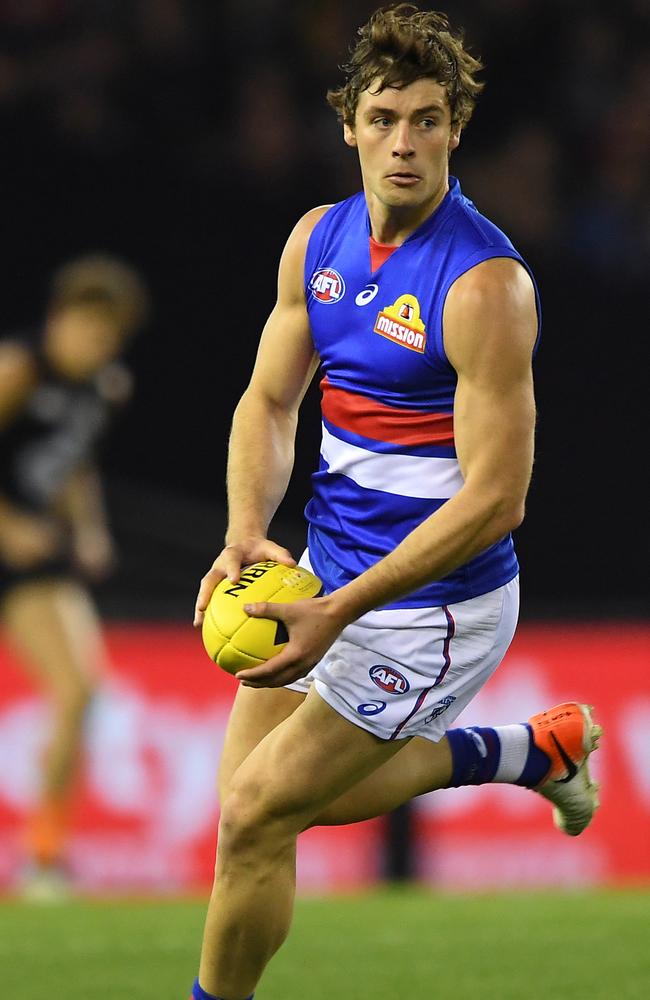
(507, 754)
(198, 993)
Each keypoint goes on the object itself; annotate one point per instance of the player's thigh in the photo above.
(54, 626)
(420, 766)
(255, 713)
(302, 765)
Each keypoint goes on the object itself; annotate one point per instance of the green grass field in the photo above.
(389, 945)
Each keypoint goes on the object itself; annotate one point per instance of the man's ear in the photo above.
(454, 141)
(348, 134)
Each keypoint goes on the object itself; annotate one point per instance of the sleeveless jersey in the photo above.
(56, 430)
(387, 458)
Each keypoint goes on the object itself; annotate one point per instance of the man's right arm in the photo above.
(261, 450)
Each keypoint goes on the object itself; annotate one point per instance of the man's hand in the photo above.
(28, 539)
(93, 552)
(229, 564)
(312, 624)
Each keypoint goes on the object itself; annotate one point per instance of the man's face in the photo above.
(404, 139)
(81, 339)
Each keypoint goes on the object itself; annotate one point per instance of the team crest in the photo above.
(401, 323)
(327, 285)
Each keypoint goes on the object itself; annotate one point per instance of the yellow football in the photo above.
(232, 638)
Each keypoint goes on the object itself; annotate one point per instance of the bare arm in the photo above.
(261, 450)
(17, 379)
(490, 326)
(82, 505)
(25, 538)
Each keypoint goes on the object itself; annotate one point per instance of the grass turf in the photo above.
(389, 945)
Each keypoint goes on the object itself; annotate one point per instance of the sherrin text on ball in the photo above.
(232, 638)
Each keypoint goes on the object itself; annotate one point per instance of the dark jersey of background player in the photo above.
(47, 444)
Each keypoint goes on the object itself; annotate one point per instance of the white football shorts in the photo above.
(411, 671)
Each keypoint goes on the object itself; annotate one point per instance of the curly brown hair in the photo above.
(401, 44)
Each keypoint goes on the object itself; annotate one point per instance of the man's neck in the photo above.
(393, 225)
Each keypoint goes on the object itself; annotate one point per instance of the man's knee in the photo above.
(253, 820)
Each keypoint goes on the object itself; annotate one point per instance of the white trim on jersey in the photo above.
(401, 475)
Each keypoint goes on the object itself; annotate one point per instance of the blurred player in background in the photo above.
(424, 319)
(59, 387)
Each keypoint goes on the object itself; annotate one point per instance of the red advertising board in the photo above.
(146, 815)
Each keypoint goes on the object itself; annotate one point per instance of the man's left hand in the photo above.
(312, 624)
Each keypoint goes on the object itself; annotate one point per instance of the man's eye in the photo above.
(428, 122)
(382, 122)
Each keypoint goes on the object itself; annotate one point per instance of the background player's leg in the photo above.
(54, 627)
(307, 761)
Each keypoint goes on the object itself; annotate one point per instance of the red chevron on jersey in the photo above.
(395, 425)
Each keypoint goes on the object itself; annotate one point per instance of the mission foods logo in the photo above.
(401, 323)
(327, 285)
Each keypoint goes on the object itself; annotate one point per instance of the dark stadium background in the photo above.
(188, 137)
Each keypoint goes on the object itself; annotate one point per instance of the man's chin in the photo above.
(403, 198)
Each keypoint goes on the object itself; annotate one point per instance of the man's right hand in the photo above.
(229, 564)
(27, 539)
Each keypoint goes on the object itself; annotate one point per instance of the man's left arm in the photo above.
(490, 326)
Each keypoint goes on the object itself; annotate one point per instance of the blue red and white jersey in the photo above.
(388, 459)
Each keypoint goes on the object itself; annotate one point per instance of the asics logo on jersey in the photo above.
(367, 295)
(389, 679)
(327, 285)
(401, 323)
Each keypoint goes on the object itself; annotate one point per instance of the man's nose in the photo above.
(403, 146)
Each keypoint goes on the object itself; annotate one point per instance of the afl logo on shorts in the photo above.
(389, 679)
(327, 285)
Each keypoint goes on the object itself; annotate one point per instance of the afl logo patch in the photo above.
(327, 285)
(389, 679)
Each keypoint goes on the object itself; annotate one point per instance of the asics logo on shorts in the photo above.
(389, 679)
(371, 707)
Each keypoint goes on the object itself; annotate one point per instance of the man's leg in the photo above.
(264, 810)
(305, 763)
(521, 754)
(254, 714)
(54, 627)
(421, 766)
